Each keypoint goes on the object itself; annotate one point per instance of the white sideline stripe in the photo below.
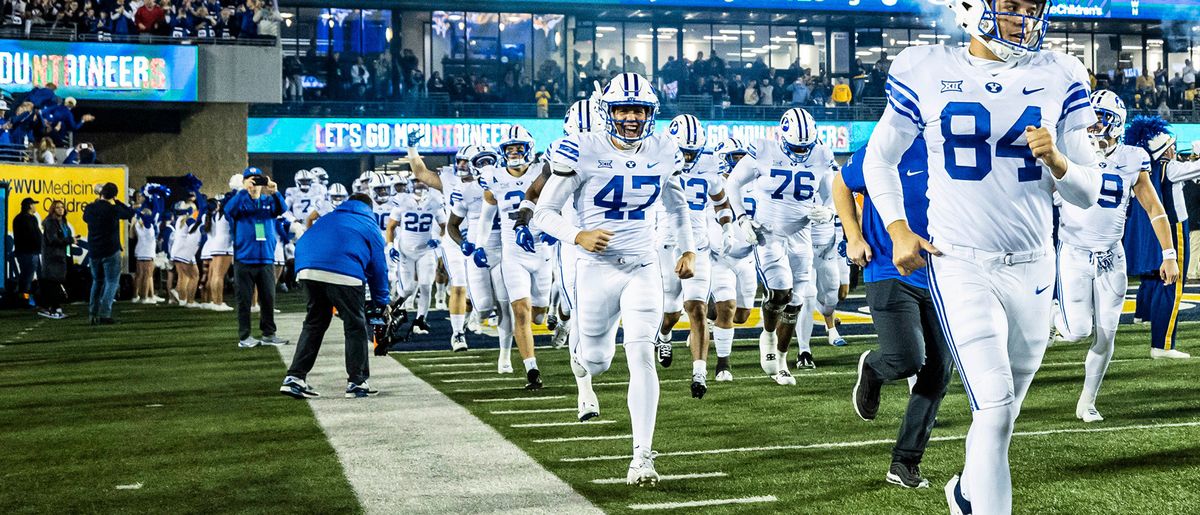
(511, 378)
(448, 358)
(497, 389)
(459, 372)
(455, 365)
(530, 411)
(668, 477)
(584, 439)
(865, 443)
(440, 440)
(564, 424)
(700, 504)
(523, 399)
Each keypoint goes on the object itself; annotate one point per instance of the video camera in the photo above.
(390, 326)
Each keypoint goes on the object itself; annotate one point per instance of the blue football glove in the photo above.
(467, 248)
(414, 137)
(842, 248)
(481, 258)
(548, 239)
(433, 244)
(394, 254)
(524, 238)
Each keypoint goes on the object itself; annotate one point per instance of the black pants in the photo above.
(910, 342)
(351, 305)
(248, 277)
(50, 294)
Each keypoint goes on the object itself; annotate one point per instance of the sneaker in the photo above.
(1168, 354)
(1087, 413)
(248, 343)
(663, 348)
(458, 343)
(838, 342)
(551, 322)
(45, 313)
(473, 322)
(784, 378)
(155, 299)
(866, 392)
(193, 305)
(273, 341)
(767, 353)
(959, 505)
(136, 300)
(419, 326)
(255, 309)
(298, 389)
(1137, 321)
(59, 315)
(562, 335)
(207, 306)
(908, 476)
(641, 469)
(589, 405)
(175, 296)
(276, 311)
(533, 379)
(358, 391)
(221, 308)
(699, 386)
(504, 368)
(805, 360)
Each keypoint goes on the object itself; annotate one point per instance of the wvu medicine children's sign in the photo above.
(101, 71)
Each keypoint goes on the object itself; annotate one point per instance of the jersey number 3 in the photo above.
(612, 194)
(976, 142)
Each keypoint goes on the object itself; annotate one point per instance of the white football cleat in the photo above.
(724, 376)
(589, 405)
(1168, 354)
(504, 368)
(958, 504)
(767, 352)
(458, 343)
(562, 333)
(784, 378)
(1087, 413)
(641, 469)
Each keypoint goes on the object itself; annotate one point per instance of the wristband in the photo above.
(725, 213)
(1170, 255)
(1164, 215)
(525, 204)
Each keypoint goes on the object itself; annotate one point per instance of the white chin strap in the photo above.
(1002, 51)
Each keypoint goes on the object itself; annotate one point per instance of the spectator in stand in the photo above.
(716, 89)
(384, 87)
(334, 77)
(543, 102)
(252, 211)
(359, 78)
(123, 19)
(27, 241)
(758, 70)
(752, 93)
(1160, 77)
(247, 25)
(43, 96)
(103, 218)
(858, 78)
(766, 92)
(737, 90)
(149, 18)
(436, 84)
(45, 151)
(408, 63)
(267, 18)
(781, 90)
(293, 76)
(700, 67)
(26, 123)
(57, 239)
(227, 25)
(61, 121)
(83, 153)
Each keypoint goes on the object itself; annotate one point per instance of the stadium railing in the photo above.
(68, 33)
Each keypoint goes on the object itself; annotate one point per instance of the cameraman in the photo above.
(253, 211)
(336, 256)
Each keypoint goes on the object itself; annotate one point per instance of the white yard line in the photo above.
(458, 365)
(667, 477)
(524, 399)
(532, 411)
(456, 357)
(864, 443)
(460, 372)
(701, 504)
(582, 439)
(563, 424)
(510, 378)
(444, 459)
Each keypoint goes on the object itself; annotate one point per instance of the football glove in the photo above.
(524, 238)
(481, 260)
(414, 137)
(433, 243)
(467, 248)
(548, 239)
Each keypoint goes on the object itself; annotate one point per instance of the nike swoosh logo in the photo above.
(652, 165)
(1040, 290)
(1121, 167)
(1028, 91)
(644, 266)
(912, 173)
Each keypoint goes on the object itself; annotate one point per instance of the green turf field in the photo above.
(165, 400)
(1110, 468)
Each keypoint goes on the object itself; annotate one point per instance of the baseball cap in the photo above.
(251, 170)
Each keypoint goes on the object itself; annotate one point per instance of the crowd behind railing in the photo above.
(41, 128)
(143, 20)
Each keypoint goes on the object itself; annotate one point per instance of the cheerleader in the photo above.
(218, 251)
(185, 245)
(146, 229)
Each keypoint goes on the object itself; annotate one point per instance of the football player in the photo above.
(734, 283)
(420, 217)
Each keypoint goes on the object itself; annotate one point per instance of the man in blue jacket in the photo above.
(253, 211)
(340, 253)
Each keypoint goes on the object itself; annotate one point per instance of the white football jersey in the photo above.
(383, 211)
(620, 188)
(509, 191)
(1101, 226)
(986, 190)
(698, 184)
(301, 203)
(466, 201)
(417, 221)
(786, 190)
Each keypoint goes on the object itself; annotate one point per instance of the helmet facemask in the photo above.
(1013, 28)
(630, 122)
